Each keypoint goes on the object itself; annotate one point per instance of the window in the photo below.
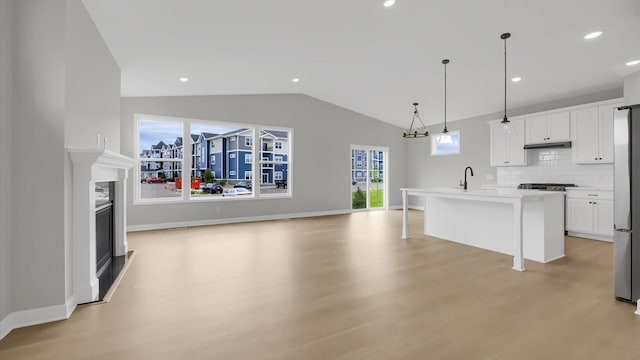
(156, 179)
(168, 173)
(441, 144)
(275, 170)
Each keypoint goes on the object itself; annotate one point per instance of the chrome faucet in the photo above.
(465, 175)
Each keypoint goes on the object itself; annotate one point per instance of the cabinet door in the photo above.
(559, 127)
(498, 145)
(516, 154)
(606, 134)
(603, 218)
(587, 136)
(536, 129)
(579, 215)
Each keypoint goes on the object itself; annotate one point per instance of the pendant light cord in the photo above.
(445, 98)
(504, 37)
(445, 62)
(505, 80)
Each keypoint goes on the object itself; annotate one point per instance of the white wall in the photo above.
(92, 103)
(65, 89)
(5, 156)
(632, 89)
(323, 134)
(427, 171)
(37, 268)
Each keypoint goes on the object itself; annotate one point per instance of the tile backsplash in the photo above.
(556, 166)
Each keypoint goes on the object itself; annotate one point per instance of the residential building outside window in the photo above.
(218, 156)
(275, 161)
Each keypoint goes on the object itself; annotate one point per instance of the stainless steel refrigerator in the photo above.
(626, 246)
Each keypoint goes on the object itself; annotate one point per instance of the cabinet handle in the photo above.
(599, 158)
(592, 194)
(594, 203)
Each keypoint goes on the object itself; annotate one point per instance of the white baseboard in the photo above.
(22, 318)
(132, 228)
(638, 310)
(590, 236)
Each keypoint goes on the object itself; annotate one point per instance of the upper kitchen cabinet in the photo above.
(593, 130)
(507, 149)
(548, 128)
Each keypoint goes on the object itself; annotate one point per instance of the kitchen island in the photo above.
(523, 223)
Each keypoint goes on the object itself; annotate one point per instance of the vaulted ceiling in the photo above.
(371, 59)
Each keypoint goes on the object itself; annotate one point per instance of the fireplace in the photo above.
(91, 166)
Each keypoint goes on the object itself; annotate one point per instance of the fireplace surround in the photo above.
(91, 166)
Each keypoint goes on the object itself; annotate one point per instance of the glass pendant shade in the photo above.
(415, 132)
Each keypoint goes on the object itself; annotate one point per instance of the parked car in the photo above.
(243, 184)
(212, 188)
(153, 180)
(281, 184)
(236, 192)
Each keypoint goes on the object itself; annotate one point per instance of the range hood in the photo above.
(561, 144)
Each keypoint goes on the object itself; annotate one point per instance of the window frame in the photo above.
(433, 144)
(189, 162)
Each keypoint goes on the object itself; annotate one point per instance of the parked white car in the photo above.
(236, 192)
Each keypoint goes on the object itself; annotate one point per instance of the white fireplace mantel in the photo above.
(91, 166)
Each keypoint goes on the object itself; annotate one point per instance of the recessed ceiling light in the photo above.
(389, 3)
(593, 35)
(295, 80)
(633, 62)
(516, 79)
(184, 79)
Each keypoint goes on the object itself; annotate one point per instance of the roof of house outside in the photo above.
(277, 133)
(159, 145)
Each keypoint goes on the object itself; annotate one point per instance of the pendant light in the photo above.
(445, 138)
(506, 124)
(415, 132)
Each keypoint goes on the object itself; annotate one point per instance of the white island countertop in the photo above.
(494, 192)
(518, 222)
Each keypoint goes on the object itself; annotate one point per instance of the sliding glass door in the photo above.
(368, 175)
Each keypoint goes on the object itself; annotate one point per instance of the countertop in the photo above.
(475, 192)
(590, 188)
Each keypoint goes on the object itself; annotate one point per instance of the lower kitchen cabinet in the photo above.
(590, 214)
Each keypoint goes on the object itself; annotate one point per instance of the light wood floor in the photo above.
(342, 287)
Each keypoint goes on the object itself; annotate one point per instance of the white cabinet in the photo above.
(508, 149)
(590, 214)
(593, 130)
(548, 128)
